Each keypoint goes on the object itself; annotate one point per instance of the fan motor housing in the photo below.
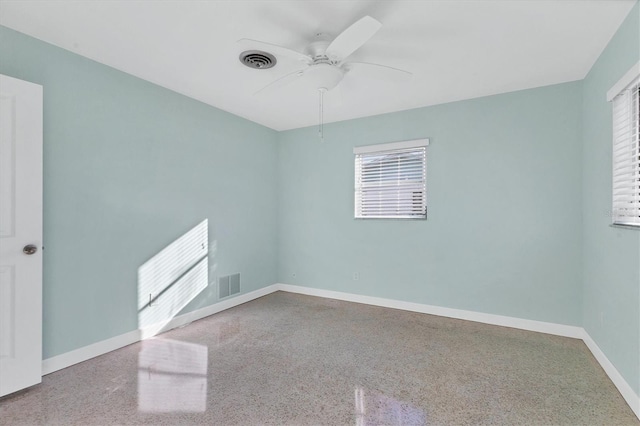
(257, 59)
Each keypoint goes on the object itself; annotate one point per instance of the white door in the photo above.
(20, 234)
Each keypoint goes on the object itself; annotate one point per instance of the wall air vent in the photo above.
(234, 284)
(223, 287)
(228, 285)
(257, 59)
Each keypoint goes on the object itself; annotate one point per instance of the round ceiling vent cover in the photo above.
(257, 59)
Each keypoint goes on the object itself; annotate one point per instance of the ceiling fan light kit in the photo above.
(324, 76)
(324, 63)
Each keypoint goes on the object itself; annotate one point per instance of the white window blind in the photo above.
(390, 180)
(626, 155)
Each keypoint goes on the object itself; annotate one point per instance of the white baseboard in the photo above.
(623, 387)
(181, 320)
(85, 353)
(523, 324)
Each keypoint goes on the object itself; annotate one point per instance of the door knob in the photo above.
(29, 249)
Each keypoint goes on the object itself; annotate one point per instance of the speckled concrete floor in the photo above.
(292, 359)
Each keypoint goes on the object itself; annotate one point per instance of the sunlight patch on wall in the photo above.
(172, 376)
(172, 278)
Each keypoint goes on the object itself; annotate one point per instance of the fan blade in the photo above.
(377, 71)
(275, 49)
(352, 38)
(282, 81)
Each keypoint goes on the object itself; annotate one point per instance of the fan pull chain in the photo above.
(321, 114)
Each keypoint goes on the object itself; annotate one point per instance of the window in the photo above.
(390, 180)
(626, 150)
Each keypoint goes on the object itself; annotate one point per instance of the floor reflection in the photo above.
(172, 376)
(225, 331)
(375, 409)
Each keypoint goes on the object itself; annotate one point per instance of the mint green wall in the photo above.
(611, 313)
(504, 204)
(128, 168)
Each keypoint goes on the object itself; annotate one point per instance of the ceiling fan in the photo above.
(324, 63)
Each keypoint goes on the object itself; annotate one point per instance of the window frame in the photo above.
(391, 148)
(626, 90)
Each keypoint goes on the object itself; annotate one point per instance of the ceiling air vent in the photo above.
(257, 59)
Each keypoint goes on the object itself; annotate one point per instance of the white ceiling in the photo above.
(455, 49)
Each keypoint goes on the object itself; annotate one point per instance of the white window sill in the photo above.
(625, 226)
